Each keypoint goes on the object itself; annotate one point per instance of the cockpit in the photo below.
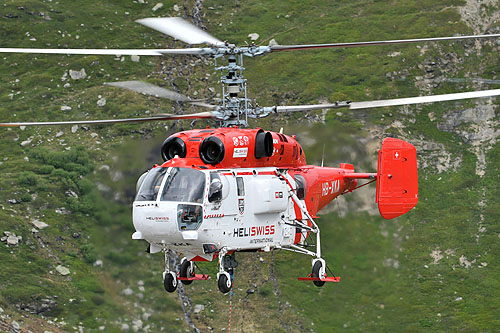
(185, 187)
(174, 184)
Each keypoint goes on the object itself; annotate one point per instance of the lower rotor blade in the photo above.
(149, 89)
(155, 91)
(201, 115)
(382, 42)
(390, 102)
(114, 52)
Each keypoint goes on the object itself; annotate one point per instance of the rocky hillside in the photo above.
(67, 259)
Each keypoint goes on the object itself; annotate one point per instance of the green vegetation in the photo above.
(81, 181)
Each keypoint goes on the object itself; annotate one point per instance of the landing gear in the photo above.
(318, 271)
(224, 282)
(170, 281)
(169, 277)
(186, 271)
(227, 264)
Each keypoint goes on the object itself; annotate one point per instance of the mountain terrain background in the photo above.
(66, 192)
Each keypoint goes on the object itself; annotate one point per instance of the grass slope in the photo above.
(389, 280)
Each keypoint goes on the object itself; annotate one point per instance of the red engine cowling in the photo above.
(397, 178)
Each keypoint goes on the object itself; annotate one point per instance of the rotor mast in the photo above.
(233, 107)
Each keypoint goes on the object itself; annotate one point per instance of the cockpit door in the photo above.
(221, 195)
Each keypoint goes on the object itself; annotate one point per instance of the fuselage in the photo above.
(242, 203)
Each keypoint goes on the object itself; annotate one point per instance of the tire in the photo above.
(315, 273)
(170, 282)
(186, 272)
(224, 284)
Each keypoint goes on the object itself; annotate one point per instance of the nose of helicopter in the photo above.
(154, 222)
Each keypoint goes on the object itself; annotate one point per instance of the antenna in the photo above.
(323, 157)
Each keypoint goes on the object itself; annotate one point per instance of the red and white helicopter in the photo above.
(230, 189)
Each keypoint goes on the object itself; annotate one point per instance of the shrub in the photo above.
(89, 253)
(46, 169)
(28, 178)
(85, 186)
(26, 197)
(76, 160)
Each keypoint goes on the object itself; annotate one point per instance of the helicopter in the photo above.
(233, 189)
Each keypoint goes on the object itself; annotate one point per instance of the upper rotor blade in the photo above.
(200, 115)
(391, 102)
(155, 91)
(180, 29)
(114, 52)
(149, 89)
(383, 42)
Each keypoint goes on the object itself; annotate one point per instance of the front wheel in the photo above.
(224, 284)
(170, 282)
(315, 273)
(186, 271)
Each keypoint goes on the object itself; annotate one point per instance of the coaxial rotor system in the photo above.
(234, 107)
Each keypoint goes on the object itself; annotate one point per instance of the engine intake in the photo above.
(212, 150)
(172, 147)
(263, 144)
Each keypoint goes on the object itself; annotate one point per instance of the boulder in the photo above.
(157, 6)
(12, 240)
(273, 42)
(26, 142)
(15, 325)
(198, 308)
(63, 270)
(254, 36)
(101, 102)
(136, 325)
(78, 75)
(127, 292)
(39, 224)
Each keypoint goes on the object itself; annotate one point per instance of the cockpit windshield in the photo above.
(184, 185)
(151, 185)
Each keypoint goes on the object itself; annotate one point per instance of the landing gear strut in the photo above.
(227, 264)
(169, 277)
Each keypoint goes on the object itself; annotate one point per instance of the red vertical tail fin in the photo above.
(397, 178)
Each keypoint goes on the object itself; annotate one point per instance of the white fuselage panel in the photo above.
(254, 214)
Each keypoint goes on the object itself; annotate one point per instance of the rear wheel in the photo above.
(170, 282)
(224, 284)
(315, 273)
(186, 271)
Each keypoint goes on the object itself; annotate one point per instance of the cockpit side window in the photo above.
(215, 189)
(151, 185)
